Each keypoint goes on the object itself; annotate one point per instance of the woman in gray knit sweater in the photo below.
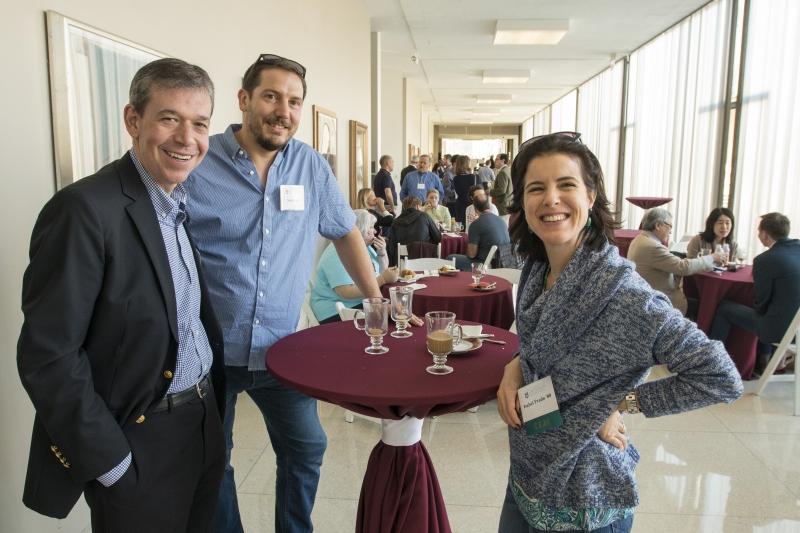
(588, 322)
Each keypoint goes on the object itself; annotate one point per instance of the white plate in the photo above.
(467, 346)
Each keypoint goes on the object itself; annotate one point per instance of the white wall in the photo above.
(330, 38)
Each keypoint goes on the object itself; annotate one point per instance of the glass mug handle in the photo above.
(356, 317)
(456, 340)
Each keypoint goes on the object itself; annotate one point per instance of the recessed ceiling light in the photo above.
(474, 122)
(487, 111)
(531, 31)
(493, 99)
(506, 76)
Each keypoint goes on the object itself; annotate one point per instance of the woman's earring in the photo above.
(589, 219)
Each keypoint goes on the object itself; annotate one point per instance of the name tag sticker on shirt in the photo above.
(539, 406)
(293, 198)
(421, 186)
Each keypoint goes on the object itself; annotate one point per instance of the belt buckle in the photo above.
(200, 392)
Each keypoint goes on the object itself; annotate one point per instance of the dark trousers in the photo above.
(735, 314)
(174, 477)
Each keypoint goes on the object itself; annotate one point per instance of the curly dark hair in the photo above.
(529, 245)
(707, 234)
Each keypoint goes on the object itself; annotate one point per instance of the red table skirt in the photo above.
(400, 493)
(710, 289)
(454, 245)
(452, 293)
(623, 238)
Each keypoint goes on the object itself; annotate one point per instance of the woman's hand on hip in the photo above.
(507, 399)
(613, 431)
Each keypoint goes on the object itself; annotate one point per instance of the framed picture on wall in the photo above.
(325, 134)
(90, 75)
(359, 159)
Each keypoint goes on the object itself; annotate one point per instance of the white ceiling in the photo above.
(453, 41)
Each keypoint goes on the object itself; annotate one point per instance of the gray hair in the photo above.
(364, 221)
(655, 216)
(414, 159)
(167, 73)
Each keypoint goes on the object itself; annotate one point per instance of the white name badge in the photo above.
(421, 186)
(293, 198)
(539, 406)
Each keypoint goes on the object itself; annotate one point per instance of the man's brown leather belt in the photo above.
(171, 401)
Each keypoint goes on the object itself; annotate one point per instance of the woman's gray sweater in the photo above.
(597, 332)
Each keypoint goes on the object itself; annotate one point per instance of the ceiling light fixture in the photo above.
(493, 99)
(530, 31)
(486, 112)
(506, 76)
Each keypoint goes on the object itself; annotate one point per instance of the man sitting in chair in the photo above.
(776, 274)
(487, 231)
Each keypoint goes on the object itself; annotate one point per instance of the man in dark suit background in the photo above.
(776, 274)
(119, 347)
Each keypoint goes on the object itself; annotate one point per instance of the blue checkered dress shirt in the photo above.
(194, 352)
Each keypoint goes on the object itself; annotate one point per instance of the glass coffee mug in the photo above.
(401, 298)
(375, 324)
(441, 327)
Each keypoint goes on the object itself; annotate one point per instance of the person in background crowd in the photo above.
(412, 226)
(439, 213)
(447, 176)
(658, 266)
(412, 166)
(486, 175)
(383, 184)
(776, 274)
(419, 182)
(487, 231)
(463, 181)
(366, 199)
(333, 284)
(259, 199)
(502, 192)
(576, 298)
(718, 232)
(470, 214)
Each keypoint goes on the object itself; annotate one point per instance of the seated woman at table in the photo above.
(661, 268)
(366, 199)
(439, 213)
(333, 284)
(590, 326)
(718, 232)
(412, 226)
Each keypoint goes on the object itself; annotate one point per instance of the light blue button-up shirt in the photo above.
(419, 183)
(257, 257)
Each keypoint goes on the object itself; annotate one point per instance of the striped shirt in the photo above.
(194, 356)
(257, 255)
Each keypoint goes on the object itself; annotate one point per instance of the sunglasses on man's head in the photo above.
(272, 59)
(573, 136)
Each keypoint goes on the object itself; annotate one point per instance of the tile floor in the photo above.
(727, 468)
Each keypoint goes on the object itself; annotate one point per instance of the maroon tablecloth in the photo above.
(648, 202)
(454, 245)
(623, 238)
(710, 289)
(452, 293)
(400, 491)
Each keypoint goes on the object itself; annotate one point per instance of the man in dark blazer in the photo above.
(120, 352)
(776, 274)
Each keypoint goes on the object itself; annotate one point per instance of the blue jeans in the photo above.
(463, 263)
(512, 521)
(298, 441)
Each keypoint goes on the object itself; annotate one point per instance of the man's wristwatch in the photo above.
(632, 403)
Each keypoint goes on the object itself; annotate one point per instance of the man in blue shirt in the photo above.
(419, 182)
(260, 199)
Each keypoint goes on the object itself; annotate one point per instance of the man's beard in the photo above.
(263, 141)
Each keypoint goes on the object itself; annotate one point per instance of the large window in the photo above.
(598, 121)
(527, 129)
(541, 122)
(478, 149)
(562, 117)
(768, 162)
(676, 93)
